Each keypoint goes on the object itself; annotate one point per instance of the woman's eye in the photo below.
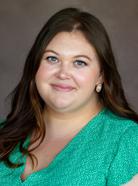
(80, 63)
(52, 59)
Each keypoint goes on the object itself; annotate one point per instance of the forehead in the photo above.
(71, 42)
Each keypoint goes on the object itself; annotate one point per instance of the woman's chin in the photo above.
(61, 107)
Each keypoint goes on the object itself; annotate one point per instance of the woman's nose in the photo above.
(64, 71)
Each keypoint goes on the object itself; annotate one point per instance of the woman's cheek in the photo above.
(43, 72)
(83, 77)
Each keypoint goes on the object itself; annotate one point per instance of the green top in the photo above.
(103, 153)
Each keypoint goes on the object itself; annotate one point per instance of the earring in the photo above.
(98, 87)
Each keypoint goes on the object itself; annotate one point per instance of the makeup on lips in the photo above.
(62, 87)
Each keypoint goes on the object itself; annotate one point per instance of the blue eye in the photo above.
(52, 59)
(80, 63)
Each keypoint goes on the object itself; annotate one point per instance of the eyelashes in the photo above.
(52, 59)
(80, 63)
(77, 63)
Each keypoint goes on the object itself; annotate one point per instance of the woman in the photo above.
(70, 123)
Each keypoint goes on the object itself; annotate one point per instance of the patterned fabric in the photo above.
(103, 153)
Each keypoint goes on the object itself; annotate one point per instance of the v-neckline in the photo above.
(63, 150)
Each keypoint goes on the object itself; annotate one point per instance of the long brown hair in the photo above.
(27, 106)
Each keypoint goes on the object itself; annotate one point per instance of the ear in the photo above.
(100, 79)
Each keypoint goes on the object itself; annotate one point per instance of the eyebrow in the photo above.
(85, 56)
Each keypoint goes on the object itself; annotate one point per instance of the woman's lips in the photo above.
(62, 87)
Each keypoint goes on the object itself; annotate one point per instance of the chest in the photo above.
(80, 162)
(45, 154)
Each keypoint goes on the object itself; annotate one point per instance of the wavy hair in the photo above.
(25, 116)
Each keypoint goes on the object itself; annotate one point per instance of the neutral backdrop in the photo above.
(21, 20)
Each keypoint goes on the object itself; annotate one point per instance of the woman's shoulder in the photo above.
(117, 122)
(117, 127)
(123, 134)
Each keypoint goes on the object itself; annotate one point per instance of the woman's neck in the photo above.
(62, 125)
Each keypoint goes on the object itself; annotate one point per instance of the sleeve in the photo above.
(124, 166)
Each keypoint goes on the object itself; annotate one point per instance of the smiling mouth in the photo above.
(62, 88)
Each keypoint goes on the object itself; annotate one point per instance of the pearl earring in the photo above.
(98, 87)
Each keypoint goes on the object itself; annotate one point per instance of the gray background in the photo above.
(21, 20)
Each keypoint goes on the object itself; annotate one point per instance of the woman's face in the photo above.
(68, 73)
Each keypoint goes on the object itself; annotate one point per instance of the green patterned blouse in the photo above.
(103, 153)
